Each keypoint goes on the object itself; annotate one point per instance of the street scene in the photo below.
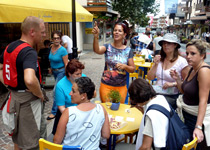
(104, 74)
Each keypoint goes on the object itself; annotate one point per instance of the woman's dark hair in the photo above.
(56, 32)
(85, 85)
(200, 45)
(141, 91)
(134, 33)
(124, 25)
(73, 66)
(175, 55)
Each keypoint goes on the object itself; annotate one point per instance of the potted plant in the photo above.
(115, 98)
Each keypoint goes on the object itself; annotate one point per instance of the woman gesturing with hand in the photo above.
(118, 61)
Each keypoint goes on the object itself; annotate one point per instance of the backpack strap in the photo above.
(161, 109)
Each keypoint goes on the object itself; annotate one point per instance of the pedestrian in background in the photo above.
(133, 42)
(58, 60)
(43, 57)
(156, 46)
(195, 104)
(21, 75)
(118, 61)
(67, 43)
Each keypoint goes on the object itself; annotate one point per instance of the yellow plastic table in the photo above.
(145, 65)
(138, 59)
(132, 118)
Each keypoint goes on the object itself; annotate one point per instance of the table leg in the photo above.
(109, 143)
(114, 141)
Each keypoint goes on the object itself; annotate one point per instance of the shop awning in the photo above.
(12, 11)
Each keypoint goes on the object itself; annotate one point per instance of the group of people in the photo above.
(78, 121)
(175, 75)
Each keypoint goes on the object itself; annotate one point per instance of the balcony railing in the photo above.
(99, 3)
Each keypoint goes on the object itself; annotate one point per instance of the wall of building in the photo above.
(82, 2)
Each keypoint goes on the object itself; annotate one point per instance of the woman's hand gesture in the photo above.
(96, 30)
(157, 59)
(174, 75)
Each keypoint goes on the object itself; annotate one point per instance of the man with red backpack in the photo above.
(20, 72)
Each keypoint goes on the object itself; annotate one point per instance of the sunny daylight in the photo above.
(104, 74)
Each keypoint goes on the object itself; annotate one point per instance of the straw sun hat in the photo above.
(171, 38)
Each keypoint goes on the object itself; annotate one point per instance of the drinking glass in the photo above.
(108, 103)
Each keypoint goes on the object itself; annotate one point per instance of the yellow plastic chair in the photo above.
(44, 144)
(189, 146)
(134, 75)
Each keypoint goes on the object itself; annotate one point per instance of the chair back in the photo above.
(192, 144)
(44, 144)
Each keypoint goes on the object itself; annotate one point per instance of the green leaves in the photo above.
(135, 11)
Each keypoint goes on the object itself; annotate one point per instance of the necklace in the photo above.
(54, 50)
(197, 68)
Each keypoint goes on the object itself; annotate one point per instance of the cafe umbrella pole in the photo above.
(74, 48)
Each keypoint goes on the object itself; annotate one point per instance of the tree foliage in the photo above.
(135, 11)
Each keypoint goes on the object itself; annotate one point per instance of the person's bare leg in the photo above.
(16, 147)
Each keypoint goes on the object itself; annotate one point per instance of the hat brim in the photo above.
(170, 41)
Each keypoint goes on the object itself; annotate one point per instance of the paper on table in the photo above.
(130, 119)
(119, 118)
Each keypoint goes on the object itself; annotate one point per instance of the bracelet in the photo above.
(96, 37)
(174, 84)
(198, 127)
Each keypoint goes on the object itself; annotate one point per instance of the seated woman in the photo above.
(63, 99)
(85, 123)
(154, 128)
(168, 59)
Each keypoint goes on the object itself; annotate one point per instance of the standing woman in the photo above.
(58, 60)
(168, 59)
(118, 61)
(196, 88)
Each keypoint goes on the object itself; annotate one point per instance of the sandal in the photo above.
(51, 116)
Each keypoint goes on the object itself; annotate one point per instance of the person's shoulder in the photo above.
(62, 81)
(182, 59)
(83, 75)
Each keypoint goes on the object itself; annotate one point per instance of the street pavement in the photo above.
(94, 65)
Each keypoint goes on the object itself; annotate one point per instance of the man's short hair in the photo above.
(30, 22)
(46, 42)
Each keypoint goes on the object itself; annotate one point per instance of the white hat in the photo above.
(171, 38)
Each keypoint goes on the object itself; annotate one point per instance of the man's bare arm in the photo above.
(32, 83)
(1, 73)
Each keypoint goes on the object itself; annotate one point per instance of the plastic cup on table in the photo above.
(108, 103)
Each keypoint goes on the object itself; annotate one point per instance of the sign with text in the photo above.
(88, 27)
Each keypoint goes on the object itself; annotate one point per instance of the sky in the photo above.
(162, 7)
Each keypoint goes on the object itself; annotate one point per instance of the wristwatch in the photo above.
(199, 127)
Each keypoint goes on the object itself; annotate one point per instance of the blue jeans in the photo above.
(57, 75)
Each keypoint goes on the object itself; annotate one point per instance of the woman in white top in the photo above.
(85, 123)
(154, 124)
(168, 59)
